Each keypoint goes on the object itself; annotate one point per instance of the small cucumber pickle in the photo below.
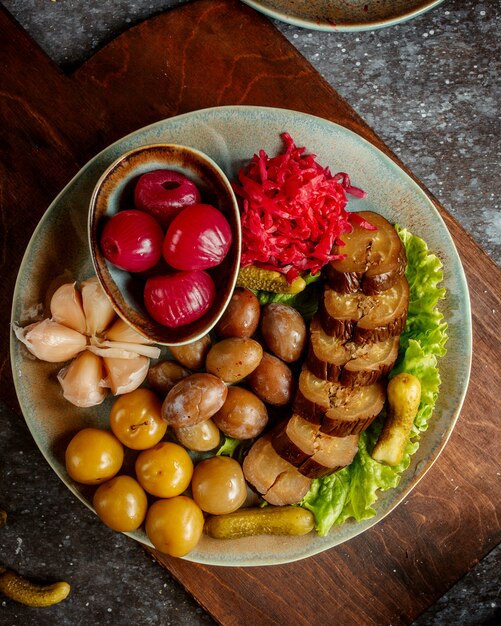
(269, 520)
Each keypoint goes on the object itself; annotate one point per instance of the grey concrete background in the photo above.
(429, 88)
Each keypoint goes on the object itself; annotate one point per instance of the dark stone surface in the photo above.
(428, 88)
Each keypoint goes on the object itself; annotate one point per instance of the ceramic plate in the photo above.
(231, 135)
(343, 15)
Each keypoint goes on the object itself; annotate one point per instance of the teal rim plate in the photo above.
(343, 15)
(59, 251)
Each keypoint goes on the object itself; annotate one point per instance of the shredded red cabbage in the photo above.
(293, 211)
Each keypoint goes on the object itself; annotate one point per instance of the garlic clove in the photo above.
(124, 375)
(82, 380)
(97, 308)
(121, 331)
(50, 341)
(122, 350)
(66, 307)
(111, 353)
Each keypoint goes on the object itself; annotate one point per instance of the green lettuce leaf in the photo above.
(235, 448)
(352, 492)
(228, 447)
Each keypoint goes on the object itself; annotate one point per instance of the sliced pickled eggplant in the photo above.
(364, 318)
(312, 397)
(370, 362)
(331, 455)
(278, 481)
(315, 453)
(353, 414)
(388, 317)
(326, 354)
(329, 358)
(290, 487)
(374, 260)
(339, 313)
(339, 410)
(294, 439)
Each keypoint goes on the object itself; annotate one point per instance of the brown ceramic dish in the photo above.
(114, 192)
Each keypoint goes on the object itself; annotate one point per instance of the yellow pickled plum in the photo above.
(121, 503)
(136, 419)
(174, 526)
(218, 485)
(93, 456)
(165, 470)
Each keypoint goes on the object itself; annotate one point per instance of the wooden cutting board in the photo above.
(218, 52)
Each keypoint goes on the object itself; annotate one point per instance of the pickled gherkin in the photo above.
(259, 279)
(269, 520)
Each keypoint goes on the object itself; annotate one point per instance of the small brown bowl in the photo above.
(114, 192)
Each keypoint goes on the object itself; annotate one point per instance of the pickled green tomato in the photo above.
(218, 485)
(136, 419)
(93, 456)
(174, 526)
(121, 503)
(165, 470)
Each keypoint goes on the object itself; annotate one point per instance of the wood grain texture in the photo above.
(211, 53)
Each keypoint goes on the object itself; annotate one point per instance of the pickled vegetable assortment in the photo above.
(178, 427)
(282, 420)
(296, 402)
